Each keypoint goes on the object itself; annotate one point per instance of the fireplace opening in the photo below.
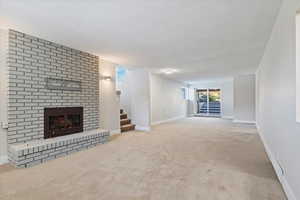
(62, 121)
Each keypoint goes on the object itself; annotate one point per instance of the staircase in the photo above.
(125, 122)
(214, 108)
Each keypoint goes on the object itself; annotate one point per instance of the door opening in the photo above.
(208, 102)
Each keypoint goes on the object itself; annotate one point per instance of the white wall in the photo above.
(226, 87)
(151, 99)
(109, 100)
(298, 64)
(3, 94)
(276, 99)
(167, 101)
(191, 106)
(244, 98)
(139, 82)
(228, 101)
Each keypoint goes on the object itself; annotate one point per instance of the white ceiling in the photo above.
(202, 39)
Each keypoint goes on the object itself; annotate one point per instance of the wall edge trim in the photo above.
(244, 122)
(115, 132)
(168, 120)
(143, 128)
(286, 186)
(3, 160)
(227, 117)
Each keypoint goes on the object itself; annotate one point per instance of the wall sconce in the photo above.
(106, 78)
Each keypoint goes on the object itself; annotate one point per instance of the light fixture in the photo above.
(106, 78)
(168, 71)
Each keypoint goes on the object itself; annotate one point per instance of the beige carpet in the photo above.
(191, 159)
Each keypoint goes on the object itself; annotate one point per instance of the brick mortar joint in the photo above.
(62, 57)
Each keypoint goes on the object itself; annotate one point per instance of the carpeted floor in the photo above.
(190, 159)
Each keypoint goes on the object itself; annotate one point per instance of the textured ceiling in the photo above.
(202, 39)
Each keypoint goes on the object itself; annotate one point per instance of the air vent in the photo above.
(282, 172)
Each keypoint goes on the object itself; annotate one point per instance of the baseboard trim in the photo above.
(227, 117)
(116, 131)
(286, 187)
(3, 160)
(244, 122)
(168, 120)
(143, 128)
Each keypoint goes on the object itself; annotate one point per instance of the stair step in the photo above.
(127, 127)
(123, 116)
(125, 121)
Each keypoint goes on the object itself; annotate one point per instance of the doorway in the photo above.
(208, 102)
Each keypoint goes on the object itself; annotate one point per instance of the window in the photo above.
(120, 76)
(208, 101)
(298, 66)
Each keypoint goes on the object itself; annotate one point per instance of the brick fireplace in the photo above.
(53, 100)
(62, 121)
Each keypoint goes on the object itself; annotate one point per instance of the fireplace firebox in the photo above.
(62, 121)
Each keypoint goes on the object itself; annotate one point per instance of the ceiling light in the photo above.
(168, 71)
